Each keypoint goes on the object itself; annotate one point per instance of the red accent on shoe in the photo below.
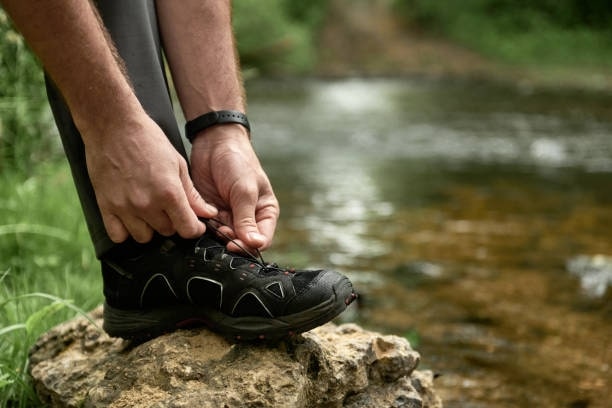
(350, 299)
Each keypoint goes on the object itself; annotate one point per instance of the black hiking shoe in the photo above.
(180, 283)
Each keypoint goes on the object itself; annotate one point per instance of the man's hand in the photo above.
(224, 167)
(228, 174)
(142, 183)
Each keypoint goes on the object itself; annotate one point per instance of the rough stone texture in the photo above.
(76, 364)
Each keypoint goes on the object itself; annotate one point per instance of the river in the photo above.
(473, 218)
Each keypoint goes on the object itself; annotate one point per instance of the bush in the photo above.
(25, 120)
(277, 36)
(562, 33)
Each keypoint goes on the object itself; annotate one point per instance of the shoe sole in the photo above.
(145, 324)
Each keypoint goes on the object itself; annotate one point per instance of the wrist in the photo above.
(225, 134)
(110, 119)
(198, 125)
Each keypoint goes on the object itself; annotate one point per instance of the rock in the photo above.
(76, 364)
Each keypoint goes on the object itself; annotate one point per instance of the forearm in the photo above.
(72, 46)
(199, 45)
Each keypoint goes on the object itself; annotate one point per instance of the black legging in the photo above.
(133, 27)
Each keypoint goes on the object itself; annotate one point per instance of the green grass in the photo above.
(48, 271)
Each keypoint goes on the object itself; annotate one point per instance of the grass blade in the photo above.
(35, 229)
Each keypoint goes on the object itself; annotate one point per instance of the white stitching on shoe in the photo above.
(144, 290)
(208, 280)
(231, 264)
(204, 252)
(256, 297)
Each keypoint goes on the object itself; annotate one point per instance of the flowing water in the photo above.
(474, 219)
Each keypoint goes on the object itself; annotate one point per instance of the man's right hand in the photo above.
(142, 183)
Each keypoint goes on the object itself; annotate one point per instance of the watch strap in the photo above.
(196, 125)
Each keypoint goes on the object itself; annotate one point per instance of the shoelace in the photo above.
(266, 267)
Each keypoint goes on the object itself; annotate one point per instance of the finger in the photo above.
(267, 227)
(237, 245)
(162, 224)
(224, 219)
(184, 220)
(138, 229)
(182, 214)
(114, 228)
(267, 217)
(222, 231)
(227, 232)
(221, 225)
(155, 217)
(200, 207)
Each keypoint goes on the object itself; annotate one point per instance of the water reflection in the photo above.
(354, 97)
(345, 200)
(457, 208)
(393, 118)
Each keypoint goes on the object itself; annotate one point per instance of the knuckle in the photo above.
(114, 228)
(245, 222)
(117, 237)
(189, 231)
(143, 236)
(245, 191)
(165, 228)
(140, 202)
(169, 196)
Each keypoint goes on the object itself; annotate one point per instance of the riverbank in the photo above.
(368, 39)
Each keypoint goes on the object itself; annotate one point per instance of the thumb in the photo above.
(244, 221)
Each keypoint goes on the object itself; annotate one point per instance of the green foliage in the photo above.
(277, 36)
(25, 126)
(543, 32)
(45, 258)
(311, 13)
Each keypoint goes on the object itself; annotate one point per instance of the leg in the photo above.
(133, 27)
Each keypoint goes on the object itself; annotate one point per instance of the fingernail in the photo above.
(256, 236)
(212, 209)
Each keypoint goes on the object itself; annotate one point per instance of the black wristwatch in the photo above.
(195, 126)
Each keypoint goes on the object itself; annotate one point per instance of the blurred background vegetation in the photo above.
(540, 32)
